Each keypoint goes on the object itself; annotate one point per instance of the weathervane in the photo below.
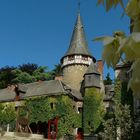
(79, 4)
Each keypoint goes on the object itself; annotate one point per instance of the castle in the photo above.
(79, 71)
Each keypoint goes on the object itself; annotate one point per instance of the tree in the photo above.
(25, 73)
(6, 76)
(57, 71)
(119, 126)
(108, 80)
(41, 74)
(7, 114)
(29, 68)
(119, 122)
(119, 46)
(21, 77)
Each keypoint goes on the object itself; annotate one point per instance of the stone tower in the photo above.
(92, 77)
(77, 58)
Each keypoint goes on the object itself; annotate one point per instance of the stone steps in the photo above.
(21, 136)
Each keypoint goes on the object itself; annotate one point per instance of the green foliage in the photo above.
(111, 3)
(128, 47)
(120, 125)
(28, 68)
(57, 71)
(46, 108)
(7, 113)
(122, 118)
(126, 95)
(21, 77)
(25, 77)
(6, 76)
(93, 110)
(123, 95)
(25, 73)
(109, 130)
(108, 80)
(40, 74)
(133, 11)
(117, 90)
(110, 54)
(118, 46)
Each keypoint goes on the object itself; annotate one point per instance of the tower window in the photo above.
(71, 58)
(80, 109)
(85, 58)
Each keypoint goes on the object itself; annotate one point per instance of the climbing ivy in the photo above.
(93, 110)
(42, 109)
(126, 95)
(117, 90)
(46, 108)
(7, 114)
(123, 95)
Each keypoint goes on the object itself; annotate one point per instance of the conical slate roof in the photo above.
(92, 69)
(78, 44)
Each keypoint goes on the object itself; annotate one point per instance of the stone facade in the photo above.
(73, 75)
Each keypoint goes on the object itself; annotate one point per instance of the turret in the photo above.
(92, 77)
(77, 58)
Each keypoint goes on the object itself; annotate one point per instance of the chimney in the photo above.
(100, 66)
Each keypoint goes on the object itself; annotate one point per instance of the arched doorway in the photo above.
(53, 128)
(40, 128)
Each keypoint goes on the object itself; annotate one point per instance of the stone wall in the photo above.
(73, 75)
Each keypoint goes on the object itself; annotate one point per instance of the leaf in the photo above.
(121, 3)
(116, 2)
(110, 55)
(100, 2)
(133, 8)
(136, 36)
(131, 47)
(105, 39)
(110, 3)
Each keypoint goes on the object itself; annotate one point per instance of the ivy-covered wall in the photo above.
(123, 95)
(93, 111)
(126, 98)
(43, 109)
(7, 114)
